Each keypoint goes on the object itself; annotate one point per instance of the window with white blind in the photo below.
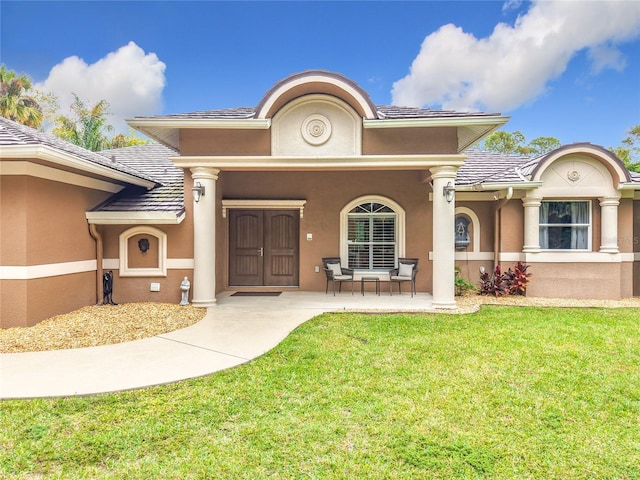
(372, 237)
(565, 225)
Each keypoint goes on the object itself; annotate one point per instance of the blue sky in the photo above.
(555, 67)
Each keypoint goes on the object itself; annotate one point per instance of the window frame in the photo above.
(399, 228)
(588, 225)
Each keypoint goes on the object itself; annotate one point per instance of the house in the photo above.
(248, 198)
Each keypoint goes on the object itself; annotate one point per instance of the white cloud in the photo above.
(129, 79)
(512, 66)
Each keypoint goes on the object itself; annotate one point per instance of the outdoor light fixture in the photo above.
(448, 190)
(198, 191)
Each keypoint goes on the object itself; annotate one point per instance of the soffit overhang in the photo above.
(167, 130)
(135, 218)
(469, 129)
(67, 162)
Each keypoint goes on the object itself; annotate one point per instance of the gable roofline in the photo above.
(65, 159)
(586, 148)
(306, 82)
(470, 126)
(20, 141)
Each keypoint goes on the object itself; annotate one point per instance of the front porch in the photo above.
(321, 302)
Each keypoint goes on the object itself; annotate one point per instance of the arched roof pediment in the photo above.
(316, 82)
(612, 163)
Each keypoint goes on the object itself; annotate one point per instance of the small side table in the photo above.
(370, 279)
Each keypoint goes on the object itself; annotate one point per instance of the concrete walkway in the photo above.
(237, 330)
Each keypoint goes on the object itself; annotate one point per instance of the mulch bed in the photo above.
(100, 325)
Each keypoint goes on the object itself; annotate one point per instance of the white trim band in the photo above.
(31, 272)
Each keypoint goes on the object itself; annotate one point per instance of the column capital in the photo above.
(532, 201)
(444, 171)
(609, 201)
(204, 173)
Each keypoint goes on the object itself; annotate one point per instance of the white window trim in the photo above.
(344, 224)
(161, 270)
(589, 225)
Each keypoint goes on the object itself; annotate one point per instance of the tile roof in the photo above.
(13, 133)
(153, 159)
(394, 112)
(490, 167)
(388, 112)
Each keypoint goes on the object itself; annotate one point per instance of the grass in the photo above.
(509, 392)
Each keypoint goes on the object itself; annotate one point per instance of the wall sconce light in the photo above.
(198, 191)
(448, 191)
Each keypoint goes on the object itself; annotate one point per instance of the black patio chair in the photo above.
(336, 274)
(406, 272)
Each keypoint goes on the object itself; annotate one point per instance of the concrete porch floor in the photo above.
(234, 332)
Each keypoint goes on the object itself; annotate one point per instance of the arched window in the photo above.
(372, 234)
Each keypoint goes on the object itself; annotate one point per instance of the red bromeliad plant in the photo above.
(512, 282)
(518, 278)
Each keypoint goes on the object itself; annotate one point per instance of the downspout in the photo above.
(93, 230)
(497, 226)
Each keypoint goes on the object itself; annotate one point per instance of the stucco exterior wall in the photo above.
(179, 251)
(225, 142)
(409, 141)
(43, 223)
(326, 194)
(580, 280)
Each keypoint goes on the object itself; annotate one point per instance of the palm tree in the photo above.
(86, 129)
(15, 104)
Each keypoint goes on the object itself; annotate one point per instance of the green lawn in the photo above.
(510, 392)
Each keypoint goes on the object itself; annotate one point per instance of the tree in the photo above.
(15, 102)
(514, 142)
(121, 140)
(86, 127)
(504, 142)
(629, 151)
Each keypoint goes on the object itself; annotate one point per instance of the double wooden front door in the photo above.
(263, 247)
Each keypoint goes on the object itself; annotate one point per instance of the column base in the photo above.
(609, 250)
(445, 305)
(203, 303)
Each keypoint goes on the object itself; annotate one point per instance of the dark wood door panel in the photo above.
(246, 230)
(263, 247)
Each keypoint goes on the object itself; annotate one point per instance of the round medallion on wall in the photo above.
(316, 129)
(573, 175)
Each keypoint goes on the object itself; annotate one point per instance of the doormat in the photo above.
(255, 294)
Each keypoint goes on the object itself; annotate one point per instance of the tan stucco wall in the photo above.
(581, 280)
(43, 222)
(225, 142)
(138, 289)
(408, 141)
(24, 303)
(326, 194)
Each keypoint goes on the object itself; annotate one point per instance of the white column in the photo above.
(531, 224)
(204, 238)
(609, 224)
(443, 239)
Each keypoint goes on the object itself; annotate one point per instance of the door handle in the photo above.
(261, 250)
